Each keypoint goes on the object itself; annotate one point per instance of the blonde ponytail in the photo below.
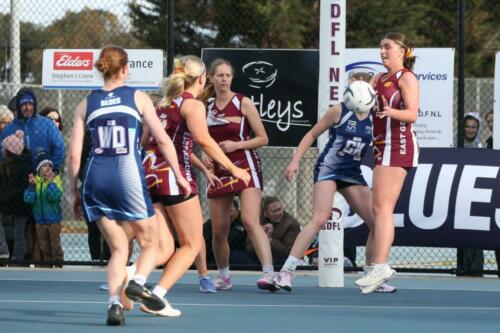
(186, 71)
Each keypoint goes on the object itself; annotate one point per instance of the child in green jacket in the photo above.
(44, 193)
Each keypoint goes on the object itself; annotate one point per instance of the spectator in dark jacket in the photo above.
(14, 170)
(6, 116)
(281, 229)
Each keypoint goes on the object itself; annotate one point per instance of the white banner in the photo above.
(331, 57)
(496, 104)
(74, 69)
(434, 70)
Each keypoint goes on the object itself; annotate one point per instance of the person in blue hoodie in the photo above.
(40, 133)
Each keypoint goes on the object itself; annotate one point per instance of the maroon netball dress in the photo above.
(159, 177)
(394, 141)
(221, 130)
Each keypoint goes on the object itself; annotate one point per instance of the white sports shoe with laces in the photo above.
(223, 283)
(377, 275)
(384, 288)
(167, 311)
(284, 279)
(268, 282)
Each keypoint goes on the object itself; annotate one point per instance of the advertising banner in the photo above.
(452, 199)
(74, 69)
(281, 83)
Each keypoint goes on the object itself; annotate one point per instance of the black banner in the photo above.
(283, 84)
(452, 199)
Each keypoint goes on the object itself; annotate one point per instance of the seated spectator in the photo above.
(14, 170)
(281, 229)
(236, 239)
(44, 193)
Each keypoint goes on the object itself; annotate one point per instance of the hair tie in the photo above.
(409, 52)
(179, 70)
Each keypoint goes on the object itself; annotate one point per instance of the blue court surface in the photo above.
(68, 300)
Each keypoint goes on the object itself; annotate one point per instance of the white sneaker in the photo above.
(284, 280)
(268, 282)
(386, 288)
(104, 287)
(377, 275)
(167, 311)
(127, 303)
(223, 283)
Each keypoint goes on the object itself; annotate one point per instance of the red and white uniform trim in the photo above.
(394, 141)
(221, 130)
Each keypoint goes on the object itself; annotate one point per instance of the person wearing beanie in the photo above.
(39, 132)
(45, 193)
(14, 170)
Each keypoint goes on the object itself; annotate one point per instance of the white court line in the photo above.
(312, 306)
(253, 284)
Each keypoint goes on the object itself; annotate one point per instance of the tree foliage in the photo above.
(294, 24)
(88, 28)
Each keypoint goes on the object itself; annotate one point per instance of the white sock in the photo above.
(139, 279)
(224, 272)
(379, 266)
(112, 300)
(201, 276)
(159, 291)
(290, 264)
(267, 268)
(132, 269)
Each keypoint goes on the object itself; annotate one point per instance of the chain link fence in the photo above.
(197, 24)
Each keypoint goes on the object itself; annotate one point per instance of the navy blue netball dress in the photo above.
(341, 158)
(114, 183)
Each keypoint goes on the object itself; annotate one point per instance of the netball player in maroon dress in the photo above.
(395, 147)
(184, 119)
(235, 124)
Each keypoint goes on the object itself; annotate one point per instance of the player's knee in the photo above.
(319, 219)
(220, 234)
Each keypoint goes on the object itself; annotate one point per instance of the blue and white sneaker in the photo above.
(206, 285)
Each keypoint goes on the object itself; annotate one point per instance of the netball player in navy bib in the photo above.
(113, 191)
(338, 168)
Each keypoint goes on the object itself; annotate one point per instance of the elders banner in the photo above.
(452, 199)
(74, 69)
